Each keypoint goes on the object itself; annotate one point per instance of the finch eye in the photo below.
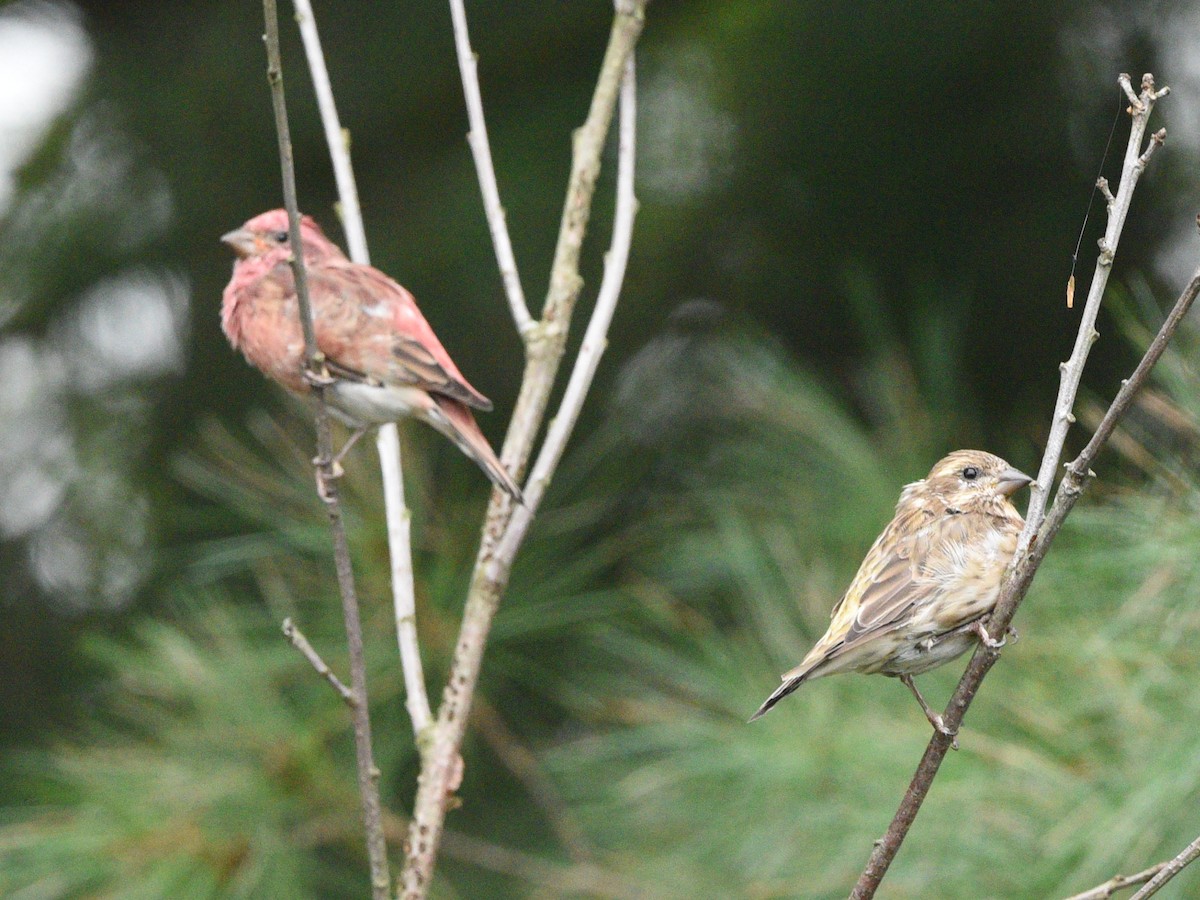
(970, 473)
(280, 237)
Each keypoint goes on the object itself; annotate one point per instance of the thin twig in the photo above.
(1118, 883)
(545, 351)
(399, 522)
(1072, 369)
(1187, 856)
(297, 639)
(368, 774)
(481, 151)
(1025, 560)
(387, 442)
(337, 137)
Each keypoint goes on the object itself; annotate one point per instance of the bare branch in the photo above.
(388, 440)
(545, 350)
(1118, 883)
(595, 338)
(1169, 870)
(368, 774)
(399, 521)
(481, 150)
(297, 639)
(1135, 105)
(547, 343)
(1156, 140)
(337, 138)
(1072, 369)
(1025, 560)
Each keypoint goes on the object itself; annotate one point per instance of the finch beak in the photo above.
(1011, 480)
(241, 242)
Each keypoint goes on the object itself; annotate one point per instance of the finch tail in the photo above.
(460, 426)
(789, 685)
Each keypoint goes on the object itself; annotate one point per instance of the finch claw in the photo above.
(327, 471)
(939, 725)
(986, 639)
(318, 378)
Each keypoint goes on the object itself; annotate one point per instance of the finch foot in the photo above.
(327, 471)
(986, 639)
(318, 377)
(938, 723)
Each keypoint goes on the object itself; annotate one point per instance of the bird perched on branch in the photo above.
(384, 362)
(928, 581)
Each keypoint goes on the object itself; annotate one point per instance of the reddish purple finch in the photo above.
(928, 581)
(383, 359)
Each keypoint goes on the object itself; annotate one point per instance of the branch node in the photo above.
(1156, 140)
(545, 341)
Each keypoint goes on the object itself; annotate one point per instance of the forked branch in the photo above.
(1029, 555)
(1152, 878)
(1118, 883)
(545, 342)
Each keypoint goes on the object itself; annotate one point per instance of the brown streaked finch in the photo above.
(384, 361)
(928, 581)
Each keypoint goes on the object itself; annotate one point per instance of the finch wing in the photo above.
(903, 569)
(367, 323)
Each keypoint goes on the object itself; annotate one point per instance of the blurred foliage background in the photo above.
(857, 223)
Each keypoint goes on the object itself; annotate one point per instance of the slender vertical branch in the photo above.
(1072, 369)
(388, 441)
(368, 774)
(337, 137)
(481, 151)
(399, 520)
(1025, 560)
(545, 350)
